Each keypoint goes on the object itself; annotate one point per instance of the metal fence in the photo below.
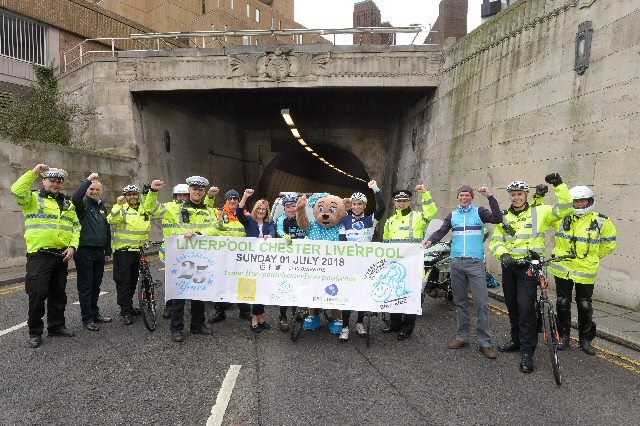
(97, 47)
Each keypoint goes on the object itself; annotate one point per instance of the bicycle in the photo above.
(437, 277)
(538, 269)
(146, 288)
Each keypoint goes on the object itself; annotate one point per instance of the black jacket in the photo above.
(92, 214)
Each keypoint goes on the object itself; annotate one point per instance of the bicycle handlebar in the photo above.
(542, 262)
(151, 244)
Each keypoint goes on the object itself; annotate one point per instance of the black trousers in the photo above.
(402, 322)
(584, 295)
(257, 309)
(223, 306)
(520, 293)
(177, 314)
(45, 281)
(346, 316)
(283, 311)
(125, 274)
(90, 269)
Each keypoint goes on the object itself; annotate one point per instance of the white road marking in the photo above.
(224, 395)
(100, 294)
(14, 328)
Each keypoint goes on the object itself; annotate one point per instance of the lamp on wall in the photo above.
(583, 46)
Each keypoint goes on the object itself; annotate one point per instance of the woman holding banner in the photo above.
(258, 225)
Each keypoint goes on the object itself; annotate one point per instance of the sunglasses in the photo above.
(233, 197)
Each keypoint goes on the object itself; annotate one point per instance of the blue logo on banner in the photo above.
(332, 290)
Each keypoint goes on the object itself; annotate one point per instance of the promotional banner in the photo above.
(318, 274)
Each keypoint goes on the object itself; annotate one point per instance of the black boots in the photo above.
(526, 365)
(586, 327)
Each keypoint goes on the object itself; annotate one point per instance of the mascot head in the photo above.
(328, 209)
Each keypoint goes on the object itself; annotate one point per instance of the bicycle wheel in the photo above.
(296, 323)
(550, 335)
(147, 302)
(368, 318)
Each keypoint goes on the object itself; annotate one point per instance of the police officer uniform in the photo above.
(132, 228)
(51, 226)
(407, 226)
(178, 219)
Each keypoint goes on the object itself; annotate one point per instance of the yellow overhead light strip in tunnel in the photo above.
(286, 115)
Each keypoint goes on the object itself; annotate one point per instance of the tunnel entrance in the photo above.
(238, 138)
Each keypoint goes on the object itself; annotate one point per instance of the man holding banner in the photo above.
(190, 218)
(407, 226)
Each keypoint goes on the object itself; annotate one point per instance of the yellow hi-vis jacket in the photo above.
(132, 226)
(589, 238)
(227, 225)
(178, 218)
(410, 228)
(46, 226)
(517, 234)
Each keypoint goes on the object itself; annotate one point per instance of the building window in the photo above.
(23, 39)
(204, 7)
(248, 11)
(246, 40)
(257, 15)
(273, 23)
(232, 4)
(280, 24)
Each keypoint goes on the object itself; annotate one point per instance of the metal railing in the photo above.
(108, 46)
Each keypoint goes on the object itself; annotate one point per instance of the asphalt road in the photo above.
(126, 375)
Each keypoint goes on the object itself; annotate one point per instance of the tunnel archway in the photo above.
(298, 171)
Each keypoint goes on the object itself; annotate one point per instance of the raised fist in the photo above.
(553, 178)
(419, 188)
(302, 203)
(93, 176)
(213, 191)
(41, 168)
(541, 190)
(248, 193)
(485, 191)
(373, 185)
(157, 184)
(121, 200)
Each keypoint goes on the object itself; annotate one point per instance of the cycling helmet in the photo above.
(130, 189)
(359, 196)
(582, 193)
(518, 185)
(289, 199)
(181, 188)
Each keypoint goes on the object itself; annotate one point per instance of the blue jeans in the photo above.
(90, 268)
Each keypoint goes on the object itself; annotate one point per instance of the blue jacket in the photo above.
(251, 226)
(467, 231)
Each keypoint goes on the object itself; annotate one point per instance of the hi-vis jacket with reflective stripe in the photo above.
(132, 226)
(589, 238)
(47, 225)
(529, 226)
(410, 228)
(228, 224)
(178, 218)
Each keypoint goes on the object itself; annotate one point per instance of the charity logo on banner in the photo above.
(372, 277)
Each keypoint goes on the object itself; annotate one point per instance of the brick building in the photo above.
(42, 31)
(367, 14)
(451, 24)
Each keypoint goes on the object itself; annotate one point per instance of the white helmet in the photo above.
(582, 193)
(181, 188)
(131, 189)
(359, 196)
(518, 185)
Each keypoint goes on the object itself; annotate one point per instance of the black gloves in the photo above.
(145, 188)
(541, 190)
(553, 178)
(507, 260)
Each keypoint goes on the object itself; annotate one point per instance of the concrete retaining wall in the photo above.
(115, 172)
(510, 106)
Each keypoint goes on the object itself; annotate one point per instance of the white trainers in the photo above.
(344, 335)
(360, 329)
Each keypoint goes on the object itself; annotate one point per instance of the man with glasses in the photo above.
(52, 234)
(230, 226)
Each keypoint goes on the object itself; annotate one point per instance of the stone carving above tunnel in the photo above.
(278, 65)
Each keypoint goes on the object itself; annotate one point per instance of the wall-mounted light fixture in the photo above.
(583, 46)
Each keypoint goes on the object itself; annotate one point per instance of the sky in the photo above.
(339, 14)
